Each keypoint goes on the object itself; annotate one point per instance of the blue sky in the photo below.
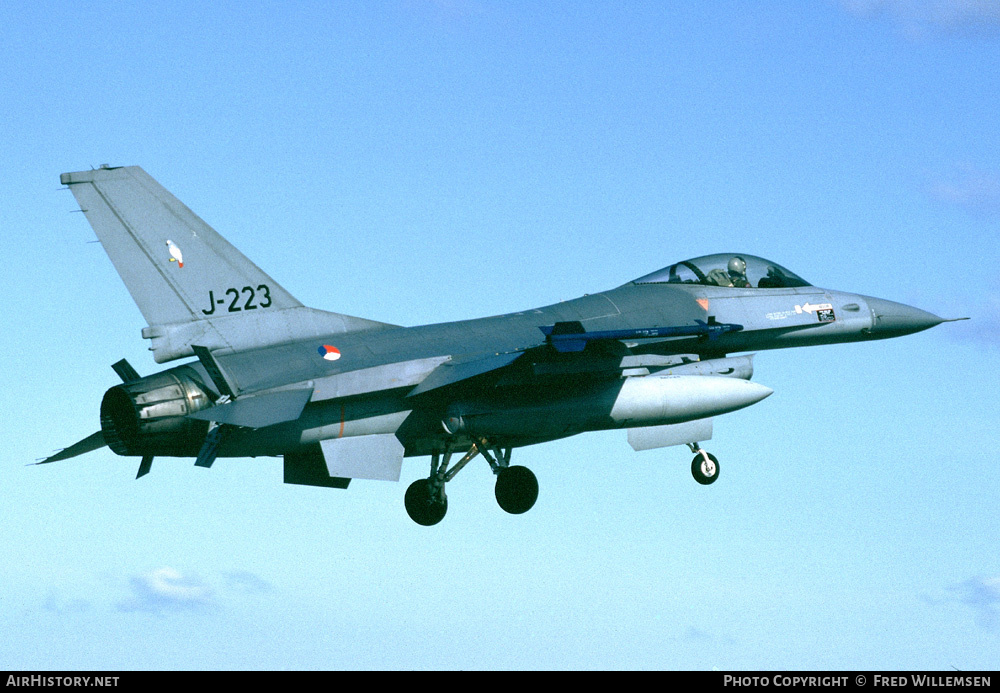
(422, 161)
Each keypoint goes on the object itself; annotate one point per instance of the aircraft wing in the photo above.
(462, 368)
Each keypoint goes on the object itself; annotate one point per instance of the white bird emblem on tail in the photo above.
(175, 253)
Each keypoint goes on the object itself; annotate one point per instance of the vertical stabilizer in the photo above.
(190, 284)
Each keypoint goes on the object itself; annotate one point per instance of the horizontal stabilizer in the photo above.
(258, 411)
(88, 444)
(565, 339)
(460, 369)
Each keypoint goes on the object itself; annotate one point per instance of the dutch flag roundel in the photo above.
(330, 353)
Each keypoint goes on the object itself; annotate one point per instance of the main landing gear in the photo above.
(516, 488)
(704, 466)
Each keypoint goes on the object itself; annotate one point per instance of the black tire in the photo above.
(421, 507)
(516, 489)
(705, 473)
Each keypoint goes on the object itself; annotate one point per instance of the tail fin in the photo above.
(190, 284)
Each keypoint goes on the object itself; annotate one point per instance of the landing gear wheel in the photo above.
(421, 506)
(705, 468)
(516, 489)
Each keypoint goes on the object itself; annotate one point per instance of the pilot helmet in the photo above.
(738, 267)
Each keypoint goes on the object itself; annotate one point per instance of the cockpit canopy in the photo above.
(726, 269)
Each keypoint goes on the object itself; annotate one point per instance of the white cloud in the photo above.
(983, 595)
(245, 581)
(921, 18)
(166, 589)
(968, 186)
(58, 603)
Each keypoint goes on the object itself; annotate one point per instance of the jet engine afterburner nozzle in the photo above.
(149, 416)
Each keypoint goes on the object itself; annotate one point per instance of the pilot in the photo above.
(738, 272)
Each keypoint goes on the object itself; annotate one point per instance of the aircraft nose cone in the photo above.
(890, 319)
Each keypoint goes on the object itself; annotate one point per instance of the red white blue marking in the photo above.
(330, 353)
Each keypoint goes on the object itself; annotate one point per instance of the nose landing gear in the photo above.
(704, 466)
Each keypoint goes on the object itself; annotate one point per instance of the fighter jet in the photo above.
(342, 398)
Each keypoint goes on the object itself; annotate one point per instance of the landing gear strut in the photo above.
(516, 488)
(704, 466)
(425, 500)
